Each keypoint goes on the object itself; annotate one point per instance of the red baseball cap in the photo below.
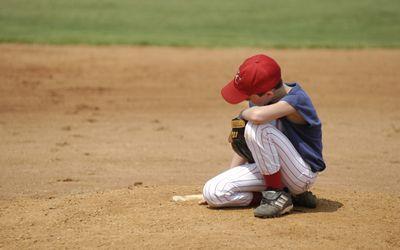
(257, 74)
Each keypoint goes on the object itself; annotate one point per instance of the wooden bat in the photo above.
(191, 197)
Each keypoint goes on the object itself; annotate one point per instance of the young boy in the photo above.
(287, 155)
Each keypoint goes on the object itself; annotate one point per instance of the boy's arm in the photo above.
(263, 114)
(237, 160)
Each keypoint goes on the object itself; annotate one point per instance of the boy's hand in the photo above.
(202, 202)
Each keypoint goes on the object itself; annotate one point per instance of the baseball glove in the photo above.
(237, 140)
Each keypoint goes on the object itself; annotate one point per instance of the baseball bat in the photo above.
(191, 197)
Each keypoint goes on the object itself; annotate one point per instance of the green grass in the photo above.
(217, 23)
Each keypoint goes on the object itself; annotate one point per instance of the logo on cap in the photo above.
(237, 79)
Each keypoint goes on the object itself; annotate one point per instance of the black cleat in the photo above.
(306, 199)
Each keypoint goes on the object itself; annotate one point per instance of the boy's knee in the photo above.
(253, 132)
(216, 194)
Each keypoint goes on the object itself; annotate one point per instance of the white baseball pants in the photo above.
(272, 151)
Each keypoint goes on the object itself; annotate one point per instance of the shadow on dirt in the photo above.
(323, 206)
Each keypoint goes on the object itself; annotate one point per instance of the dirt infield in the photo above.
(96, 140)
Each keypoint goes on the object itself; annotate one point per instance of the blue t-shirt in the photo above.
(306, 138)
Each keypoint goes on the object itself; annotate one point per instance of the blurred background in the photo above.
(260, 23)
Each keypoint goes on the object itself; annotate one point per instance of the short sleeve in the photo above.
(293, 100)
(300, 101)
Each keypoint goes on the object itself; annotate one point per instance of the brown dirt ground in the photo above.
(79, 126)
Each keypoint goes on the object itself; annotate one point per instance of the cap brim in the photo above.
(231, 94)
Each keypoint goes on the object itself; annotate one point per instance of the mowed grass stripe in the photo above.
(264, 23)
